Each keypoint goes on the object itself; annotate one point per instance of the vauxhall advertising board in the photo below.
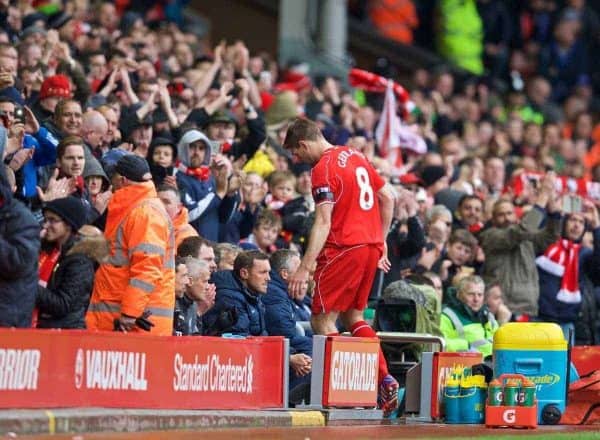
(46, 369)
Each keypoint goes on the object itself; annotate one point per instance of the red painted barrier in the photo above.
(53, 369)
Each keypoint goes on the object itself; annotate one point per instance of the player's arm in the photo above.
(318, 234)
(318, 237)
(386, 207)
(386, 210)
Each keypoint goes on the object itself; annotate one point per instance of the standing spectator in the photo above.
(510, 248)
(345, 186)
(161, 158)
(241, 223)
(202, 180)
(221, 127)
(460, 37)
(70, 162)
(139, 276)
(178, 213)
(54, 88)
(494, 175)
(457, 258)
(394, 19)
(562, 269)
(406, 238)
(66, 265)
(19, 248)
(469, 214)
(93, 131)
(265, 232)
(564, 61)
(497, 35)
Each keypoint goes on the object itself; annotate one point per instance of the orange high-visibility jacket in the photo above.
(394, 19)
(183, 229)
(139, 274)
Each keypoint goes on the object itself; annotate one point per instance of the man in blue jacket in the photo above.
(282, 314)
(19, 248)
(238, 305)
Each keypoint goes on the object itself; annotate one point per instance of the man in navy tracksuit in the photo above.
(282, 315)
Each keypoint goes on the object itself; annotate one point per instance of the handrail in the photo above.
(403, 337)
(406, 337)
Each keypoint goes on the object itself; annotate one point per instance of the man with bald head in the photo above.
(113, 135)
(93, 130)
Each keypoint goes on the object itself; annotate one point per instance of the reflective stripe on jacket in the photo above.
(139, 275)
(463, 335)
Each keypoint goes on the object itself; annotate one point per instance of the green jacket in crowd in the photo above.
(460, 34)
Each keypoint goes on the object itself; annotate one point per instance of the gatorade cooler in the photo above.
(538, 351)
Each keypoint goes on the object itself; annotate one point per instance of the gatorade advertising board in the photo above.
(351, 368)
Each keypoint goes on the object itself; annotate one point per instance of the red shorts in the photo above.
(344, 278)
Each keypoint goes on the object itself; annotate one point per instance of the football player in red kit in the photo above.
(354, 209)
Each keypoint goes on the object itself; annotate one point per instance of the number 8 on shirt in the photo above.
(347, 264)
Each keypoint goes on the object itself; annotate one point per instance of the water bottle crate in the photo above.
(511, 416)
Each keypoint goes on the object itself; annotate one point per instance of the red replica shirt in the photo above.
(344, 177)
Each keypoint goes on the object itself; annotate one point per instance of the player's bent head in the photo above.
(301, 129)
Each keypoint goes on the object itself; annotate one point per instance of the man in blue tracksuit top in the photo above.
(238, 305)
(282, 314)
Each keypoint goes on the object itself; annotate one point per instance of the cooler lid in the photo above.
(529, 336)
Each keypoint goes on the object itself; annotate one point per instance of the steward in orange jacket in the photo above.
(139, 275)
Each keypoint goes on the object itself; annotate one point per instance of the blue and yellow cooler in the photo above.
(539, 352)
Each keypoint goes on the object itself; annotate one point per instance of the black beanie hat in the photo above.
(70, 209)
(432, 174)
(134, 168)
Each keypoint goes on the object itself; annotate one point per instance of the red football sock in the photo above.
(333, 334)
(363, 330)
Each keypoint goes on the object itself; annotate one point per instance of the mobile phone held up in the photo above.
(571, 204)
(19, 115)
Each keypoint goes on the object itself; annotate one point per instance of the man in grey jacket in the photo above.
(196, 297)
(511, 247)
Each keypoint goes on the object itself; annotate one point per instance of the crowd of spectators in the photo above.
(144, 186)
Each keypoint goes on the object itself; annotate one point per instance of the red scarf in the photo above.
(561, 259)
(47, 262)
(202, 173)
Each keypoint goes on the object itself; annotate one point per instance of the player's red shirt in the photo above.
(344, 177)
